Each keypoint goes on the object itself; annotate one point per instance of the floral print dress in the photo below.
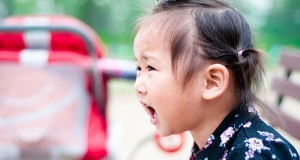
(245, 136)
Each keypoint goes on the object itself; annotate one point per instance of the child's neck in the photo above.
(215, 113)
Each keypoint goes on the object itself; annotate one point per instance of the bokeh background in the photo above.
(276, 24)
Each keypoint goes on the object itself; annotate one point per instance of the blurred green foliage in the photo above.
(282, 25)
(276, 22)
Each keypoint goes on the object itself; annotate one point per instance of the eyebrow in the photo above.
(146, 57)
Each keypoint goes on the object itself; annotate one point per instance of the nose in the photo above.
(139, 86)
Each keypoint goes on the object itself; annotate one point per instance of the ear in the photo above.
(216, 78)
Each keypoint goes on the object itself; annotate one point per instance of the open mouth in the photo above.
(152, 113)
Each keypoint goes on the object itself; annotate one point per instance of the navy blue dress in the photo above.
(244, 135)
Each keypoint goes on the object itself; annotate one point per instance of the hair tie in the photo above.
(240, 54)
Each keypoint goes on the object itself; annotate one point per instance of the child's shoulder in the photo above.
(258, 140)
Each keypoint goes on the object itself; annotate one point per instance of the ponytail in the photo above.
(249, 72)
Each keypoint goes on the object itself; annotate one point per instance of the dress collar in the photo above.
(222, 136)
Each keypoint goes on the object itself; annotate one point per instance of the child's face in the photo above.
(171, 109)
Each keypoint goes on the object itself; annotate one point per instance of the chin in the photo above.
(164, 133)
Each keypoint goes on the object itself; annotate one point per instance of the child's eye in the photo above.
(150, 68)
(138, 68)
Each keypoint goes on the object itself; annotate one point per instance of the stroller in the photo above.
(53, 89)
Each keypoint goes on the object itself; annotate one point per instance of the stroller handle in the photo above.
(88, 42)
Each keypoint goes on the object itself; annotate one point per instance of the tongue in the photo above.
(153, 117)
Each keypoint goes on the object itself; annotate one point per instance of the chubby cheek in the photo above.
(183, 108)
(177, 115)
(163, 90)
(167, 97)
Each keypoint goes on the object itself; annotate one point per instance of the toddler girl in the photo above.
(198, 71)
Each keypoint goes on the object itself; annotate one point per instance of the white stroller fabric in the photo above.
(43, 111)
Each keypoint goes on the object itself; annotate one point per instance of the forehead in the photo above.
(148, 45)
(151, 37)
